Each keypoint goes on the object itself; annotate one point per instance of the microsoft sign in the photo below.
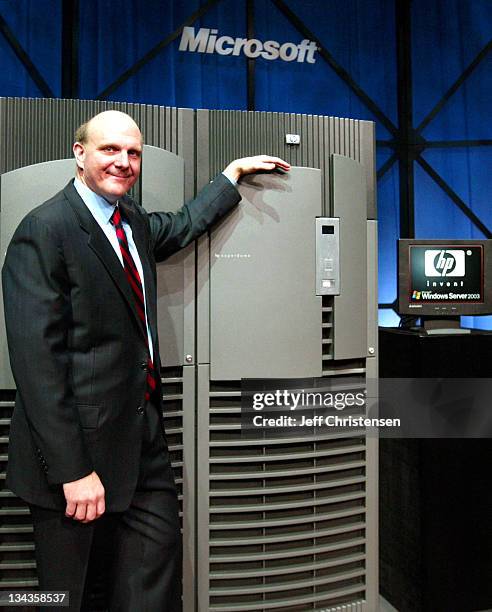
(206, 40)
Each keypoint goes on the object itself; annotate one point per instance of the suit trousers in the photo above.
(130, 560)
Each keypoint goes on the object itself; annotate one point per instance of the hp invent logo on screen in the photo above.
(444, 262)
(206, 40)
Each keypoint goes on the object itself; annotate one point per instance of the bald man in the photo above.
(87, 444)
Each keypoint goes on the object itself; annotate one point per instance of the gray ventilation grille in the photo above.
(17, 561)
(287, 517)
(345, 367)
(359, 606)
(327, 329)
(172, 382)
(340, 367)
(236, 134)
(17, 564)
(26, 139)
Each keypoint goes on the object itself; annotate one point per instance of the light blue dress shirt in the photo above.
(102, 211)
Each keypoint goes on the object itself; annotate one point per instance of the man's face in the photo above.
(109, 162)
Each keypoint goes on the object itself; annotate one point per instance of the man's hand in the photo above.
(248, 165)
(85, 498)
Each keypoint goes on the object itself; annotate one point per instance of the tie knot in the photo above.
(116, 216)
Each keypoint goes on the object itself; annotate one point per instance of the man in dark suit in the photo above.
(87, 439)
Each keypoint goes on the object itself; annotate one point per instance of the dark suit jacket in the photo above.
(77, 350)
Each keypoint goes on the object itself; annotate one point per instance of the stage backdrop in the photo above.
(330, 58)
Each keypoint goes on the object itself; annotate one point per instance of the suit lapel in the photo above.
(101, 246)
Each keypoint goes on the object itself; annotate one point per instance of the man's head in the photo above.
(108, 151)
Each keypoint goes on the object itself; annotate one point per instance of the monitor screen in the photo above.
(444, 277)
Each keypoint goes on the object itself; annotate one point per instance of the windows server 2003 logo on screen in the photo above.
(444, 262)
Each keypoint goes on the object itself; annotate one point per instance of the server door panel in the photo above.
(350, 310)
(265, 316)
(163, 183)
(22, 190)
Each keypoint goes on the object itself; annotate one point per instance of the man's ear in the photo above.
(79, 153)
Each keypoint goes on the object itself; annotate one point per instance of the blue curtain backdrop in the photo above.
(37, 27)
(361, 37)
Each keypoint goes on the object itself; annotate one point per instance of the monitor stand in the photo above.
(451, 325)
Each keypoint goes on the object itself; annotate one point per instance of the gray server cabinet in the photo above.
(35, 137)
(284, 525)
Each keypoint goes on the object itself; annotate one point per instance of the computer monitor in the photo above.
(444, 279)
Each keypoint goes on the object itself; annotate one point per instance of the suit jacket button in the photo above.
(144, 367)
(140, 410)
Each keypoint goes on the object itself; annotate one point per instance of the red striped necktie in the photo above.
(135, 283)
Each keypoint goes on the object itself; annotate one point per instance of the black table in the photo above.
(436, 495)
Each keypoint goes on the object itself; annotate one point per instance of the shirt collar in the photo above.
(101, 209)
